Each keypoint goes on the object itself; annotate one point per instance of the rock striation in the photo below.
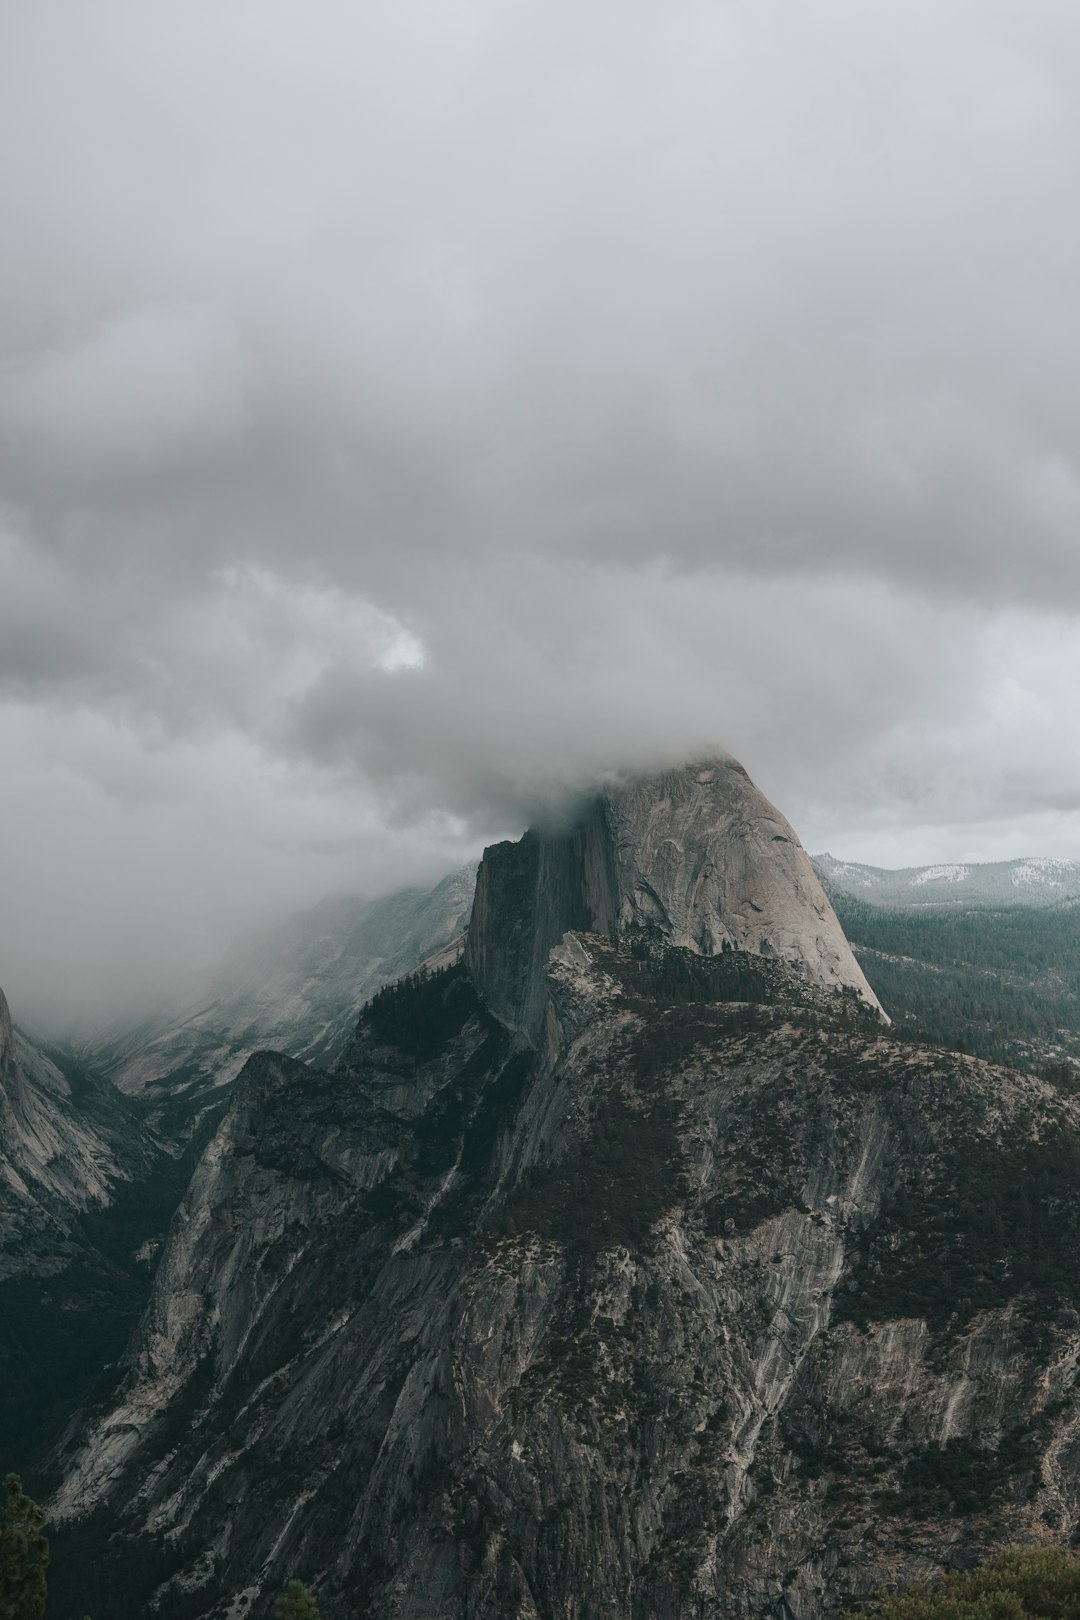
(696, 857)
(72, 1153)
(53, 1164)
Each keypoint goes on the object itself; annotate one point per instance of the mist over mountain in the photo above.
(426, 422)
(630, 1263)
(98, 1145)
(295, 987)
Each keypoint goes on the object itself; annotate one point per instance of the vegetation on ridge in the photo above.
(420, 1013)
(296, 1603)
(1018, 1583)
(24, 1553)
(1003, 984)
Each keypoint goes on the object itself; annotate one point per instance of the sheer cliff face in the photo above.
(695, 857)
(53, 1163)
(71, 1152)
(717, 1307)
(611, 1274)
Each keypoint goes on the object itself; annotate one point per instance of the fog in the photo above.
(407, 416)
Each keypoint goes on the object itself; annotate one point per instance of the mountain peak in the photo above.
(695, 855)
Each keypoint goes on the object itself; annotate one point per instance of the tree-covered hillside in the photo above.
(1002, 984)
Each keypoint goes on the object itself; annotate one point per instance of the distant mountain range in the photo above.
(1036, 880)
(983, 958)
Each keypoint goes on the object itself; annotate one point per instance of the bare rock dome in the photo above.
(697, 855)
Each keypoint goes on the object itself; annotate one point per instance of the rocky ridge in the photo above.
(664, 1284)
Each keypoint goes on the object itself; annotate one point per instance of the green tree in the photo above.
(1020, 1583)
(296, 1603)
(24, 1553)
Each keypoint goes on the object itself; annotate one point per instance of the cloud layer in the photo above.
(406, 416)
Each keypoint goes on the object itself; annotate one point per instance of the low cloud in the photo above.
(404, 421)
(153, 385)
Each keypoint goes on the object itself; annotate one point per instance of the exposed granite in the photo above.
(647, 1324)
(697, 857)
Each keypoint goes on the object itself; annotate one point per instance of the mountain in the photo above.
(75, 1162)
(1039, 880)
(97, 1145)
(296, 987)
(59, 1153)
(611, 1272)
(698, 856)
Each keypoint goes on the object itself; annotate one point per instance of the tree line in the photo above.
(24, 1559)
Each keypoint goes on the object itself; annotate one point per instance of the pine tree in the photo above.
(296, 1603)
(1018, 1583)
(24, 1553)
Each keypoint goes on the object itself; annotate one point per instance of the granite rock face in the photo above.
(703, 1312)
(697, 857)
(59, 1153)
(75, 1157)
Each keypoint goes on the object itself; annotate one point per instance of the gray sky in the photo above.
(407, 412)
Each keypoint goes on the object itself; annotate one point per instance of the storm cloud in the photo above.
(409, 414)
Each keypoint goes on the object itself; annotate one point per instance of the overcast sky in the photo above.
(409, 411)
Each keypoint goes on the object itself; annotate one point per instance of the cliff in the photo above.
(73, 1153)
(696, 858)
(707, 1296)
(729, 1308)
(53, 1163)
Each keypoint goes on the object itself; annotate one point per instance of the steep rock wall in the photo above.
(696, 857)
(71, 1289)
(701, 1311)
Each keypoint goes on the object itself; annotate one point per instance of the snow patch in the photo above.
(1040, 869)
(942, 874)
